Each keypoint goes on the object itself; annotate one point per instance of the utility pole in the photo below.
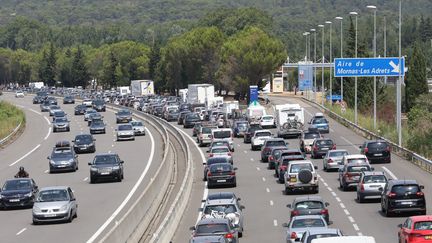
(374, 8)
(331, 61)
(314, 65)
(399, 82)
(322, 67)
(355, 78)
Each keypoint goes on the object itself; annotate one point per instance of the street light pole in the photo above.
(331, 61)
(385, 45)
(399, 82)
(322, 67)
(314, 65)
(374, 9)
(341, 54)
(355, 78)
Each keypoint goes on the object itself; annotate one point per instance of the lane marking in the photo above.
(389, 172)
(338, 199)
(334, 194)
(245, 152)
(85, 179)
(37, 112)
(275, 223)
(264, 179)
(271, 203)
(351, 219)
(252, 159)
(21, 231)
(331, 130)
(112, 145)
(325, 184)
(131, 193)
(342, 205)
(360, 234)
(46, 119)
(49, 132)
(349, 142)
(356, 227)
(25, 155)
(267, 189)
(346, 212)
(46, 171)
(238, 145)
(329, 188)
(258, 168)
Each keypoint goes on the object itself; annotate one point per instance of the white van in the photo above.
(223, 134)
(346, 239)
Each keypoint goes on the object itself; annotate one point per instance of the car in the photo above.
(68, 99)
(369, 185)
(250, 132)
(99, 105)
(217, 151)
(182, 116)
(349, 174)
(204, 135)
(63, 159)
(61, 124)
(214, 160)
(301, 175)
(44, 106)
(215, 227)
(403, 196)
(311, 234)
(190, 120)
(55, 204)
(282, 160)
(87, 102)
(97, 126)
(270, 143)
(38, 99)
(333, 159)
(84, 143)
(158, 111)
(377, 151)
(267, 121)
(225, 208)
(88, 112)
(172, 115)
(415, 229)
(225, 134)
(19, 94)
(320, 147)
(222, 195)
(320, 124)
(19, 192)
(259, 138)
(240, 128)
(106, 166)
(59, 114)
(53, 108)
(221, 174)
(123, 116)
(309, 205)
(94, 116)
(138, 127)
(52, 100)
(196, 129)
(306, 140)
(209, 238)
(274, 153)
(299, 224)
(354, 158)
(80, 109)
(125, 132)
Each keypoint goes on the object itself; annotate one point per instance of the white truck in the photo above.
(255, 112)
(142, 87)
(229, 106)
(200, 94)
(36, 85)
(183, 94)
(289, 120)
(123, 90)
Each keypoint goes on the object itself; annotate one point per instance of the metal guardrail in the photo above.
(6, 139)
(411, 156)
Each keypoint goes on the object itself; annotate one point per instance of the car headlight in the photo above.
(52, 162)
(36, 209)
(64, 207)
(116, 167)
(1, 196)
(93, 169)
(28, 194)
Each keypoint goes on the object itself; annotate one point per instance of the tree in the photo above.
(79, 73)
(154, 59)
(419, 122)
(416, 81)
(65, 75)
(110, 70)
(47, 68)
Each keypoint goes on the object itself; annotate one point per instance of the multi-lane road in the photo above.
(265, 201)
(99, 205)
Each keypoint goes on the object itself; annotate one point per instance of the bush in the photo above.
(10, 117)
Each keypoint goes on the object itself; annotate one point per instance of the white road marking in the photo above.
(331, 130)
(112, 145)
(49, 132)
(338, 199)
(46, 119)
(356, 227)
(275, 223)
(389, 172)
(334, 194)
(342, 205)
(129, 196)
(258, 168)
(329, 188)
(245, 152)
(325, 184)
(85, 179)
(25, 155)
(351, 219)
(360, 234)
(307, 112)
(21, 231)
(109, 151)
(346, 140)
(252, 159)
(264, 179)
(271, 203)
(37, 112)
(238, 145)
(46, 171)
(267, 189)
(346, 212)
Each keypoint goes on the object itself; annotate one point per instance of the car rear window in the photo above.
(263, 134)
(324, 142)
(295, 168)
(357, 160)
(216, 160)
(311, 135)
(222, 134)
(377, 145)
(402, 189)
(220, 167)
(304, 223)
(358, 168)
(220, 150)
(265, 118)
(423, 225)
(222, 208)
(125, 127)
(375, 179)
(206, 130)
(338, 153)
(309, 205)
(275, 143)
(319, 121)
(242, 124)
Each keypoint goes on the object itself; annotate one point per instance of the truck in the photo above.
(200, 93)
(183, 94)
(123, 90)
(255, 112)
(142, 87)
(229, 106)
(289, 120)
(36, 85)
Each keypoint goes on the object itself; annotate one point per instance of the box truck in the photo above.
(142, 87)
(289, 120)
(200, 93)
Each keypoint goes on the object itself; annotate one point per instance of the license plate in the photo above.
(221, 180)
(406, 203)
(14, 200)
(293, 180)
(50, 215)
(105, 173)
(324, 148)
(378, 154)
(428, 237)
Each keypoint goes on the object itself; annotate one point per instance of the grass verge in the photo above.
(10, 117)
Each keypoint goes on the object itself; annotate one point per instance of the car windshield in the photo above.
(206, 130)
(324, 142)
(53, 195)
(123, 113)
(217, 160)
(62, 153)
(59, 113)
(105, 159)
(319, 236)
(357, 160)
(227, 208)
(405, 189)
(286, 161)
(303, 223)
(295, 168)
(309, 205)
(211, 228)
(192, 116)
(358, 168)
(242, 124)
(125, 127)
(55, 107)
(16, 185)
(220, 167)
(83, 139)
(222, 134)
(375, 179)
(61, 119)
(423, 225)
(311, 135)
(220, 150)
(319, 121)
(98, 102)
(97, 123)
(338, 153)
(137, 124)
(267, 118)
(90, 111)
(263, 134)
(275, 143)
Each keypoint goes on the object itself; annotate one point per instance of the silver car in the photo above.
(221, 151)
(138, 128)
(318, 233)
(299, 224)
(54, 204)
(370, 184)
(87, 113)
(333, 159)
(53, 108)
(61, 124)
(225, 208)
(125, 132)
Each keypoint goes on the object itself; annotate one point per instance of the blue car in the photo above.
(320, 124)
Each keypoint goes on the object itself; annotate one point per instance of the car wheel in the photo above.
(316, 190)
(287, 191)
(35, 222)
(360, 198)
(344, 187)
(387, 213)
(92, 180)
(281, 179)
(119, 179)
(240, 234)
(71, 216)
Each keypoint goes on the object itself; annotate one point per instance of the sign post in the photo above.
(253, 95)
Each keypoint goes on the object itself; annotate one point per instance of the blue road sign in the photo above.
(334, 97)
(253, 94)
(368, 67)
(305, 77)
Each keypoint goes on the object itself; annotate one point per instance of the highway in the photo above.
(265, 201)
(99, 205)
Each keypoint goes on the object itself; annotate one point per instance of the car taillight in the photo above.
(283, 167)
(366, 150)
(334, 146)
(211, 155)
(315, 148)
(229, 236)
(420, 194)
(348, 175)
(330, 161)
(209, 173)
(210, 136)
(294, 213)
(229, 154)
(324, 211)
(293, 235)
(232, 173)
(416, 235)
(392, 194)
(388, 149)
(361, 187)
(270, 157)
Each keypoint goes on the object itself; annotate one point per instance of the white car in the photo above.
(19, 94)
(259, 138)
(125, 132)
(354, 158)
(87, 102)
(267, 121)
(301, 175)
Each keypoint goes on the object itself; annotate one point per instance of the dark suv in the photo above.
(376, 151)
(320, 146)
(106, 166)
(268, 144)
(402, 196)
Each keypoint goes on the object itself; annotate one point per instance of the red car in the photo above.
(416, 229)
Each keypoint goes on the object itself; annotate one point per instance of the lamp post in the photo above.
(314, 63)
(331, 61)
(355, 78)
(341, 49)
(374, 9)
(306, 34)
(322, 67)
(399, 82)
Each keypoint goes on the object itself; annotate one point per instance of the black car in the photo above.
(106, 166)
(250, 131)
(214, 160)
(99, 105)
(38, 99)
(68, 100)
(158, 111)
(309, 205)
(240, 128)
(401, 196)
(376, 151)
(123, 116)
(320, 147)
(182, 116)
(196, 129)
(80, 109)
(84, 143)
(97, 126)
(221, 174)
(18, 192)
(190, 120)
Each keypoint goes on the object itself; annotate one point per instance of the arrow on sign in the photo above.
(395, 67)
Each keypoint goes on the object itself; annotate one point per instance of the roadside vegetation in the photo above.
(10, 117)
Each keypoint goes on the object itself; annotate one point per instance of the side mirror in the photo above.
(89, 163)
(73, 141)
(315, 167)
(330, 222)
(235, 168)
(94, 139)
(421, 187)
(242, 207)
(48, 157)
(288, 205)
(327, 204)
(36, 187)
(372, 168)
(286, 225)
(76, 156)
(399, 225)
(73, 199)
(192, 228)
(238, 199)
(203, 200)
(121, 161)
